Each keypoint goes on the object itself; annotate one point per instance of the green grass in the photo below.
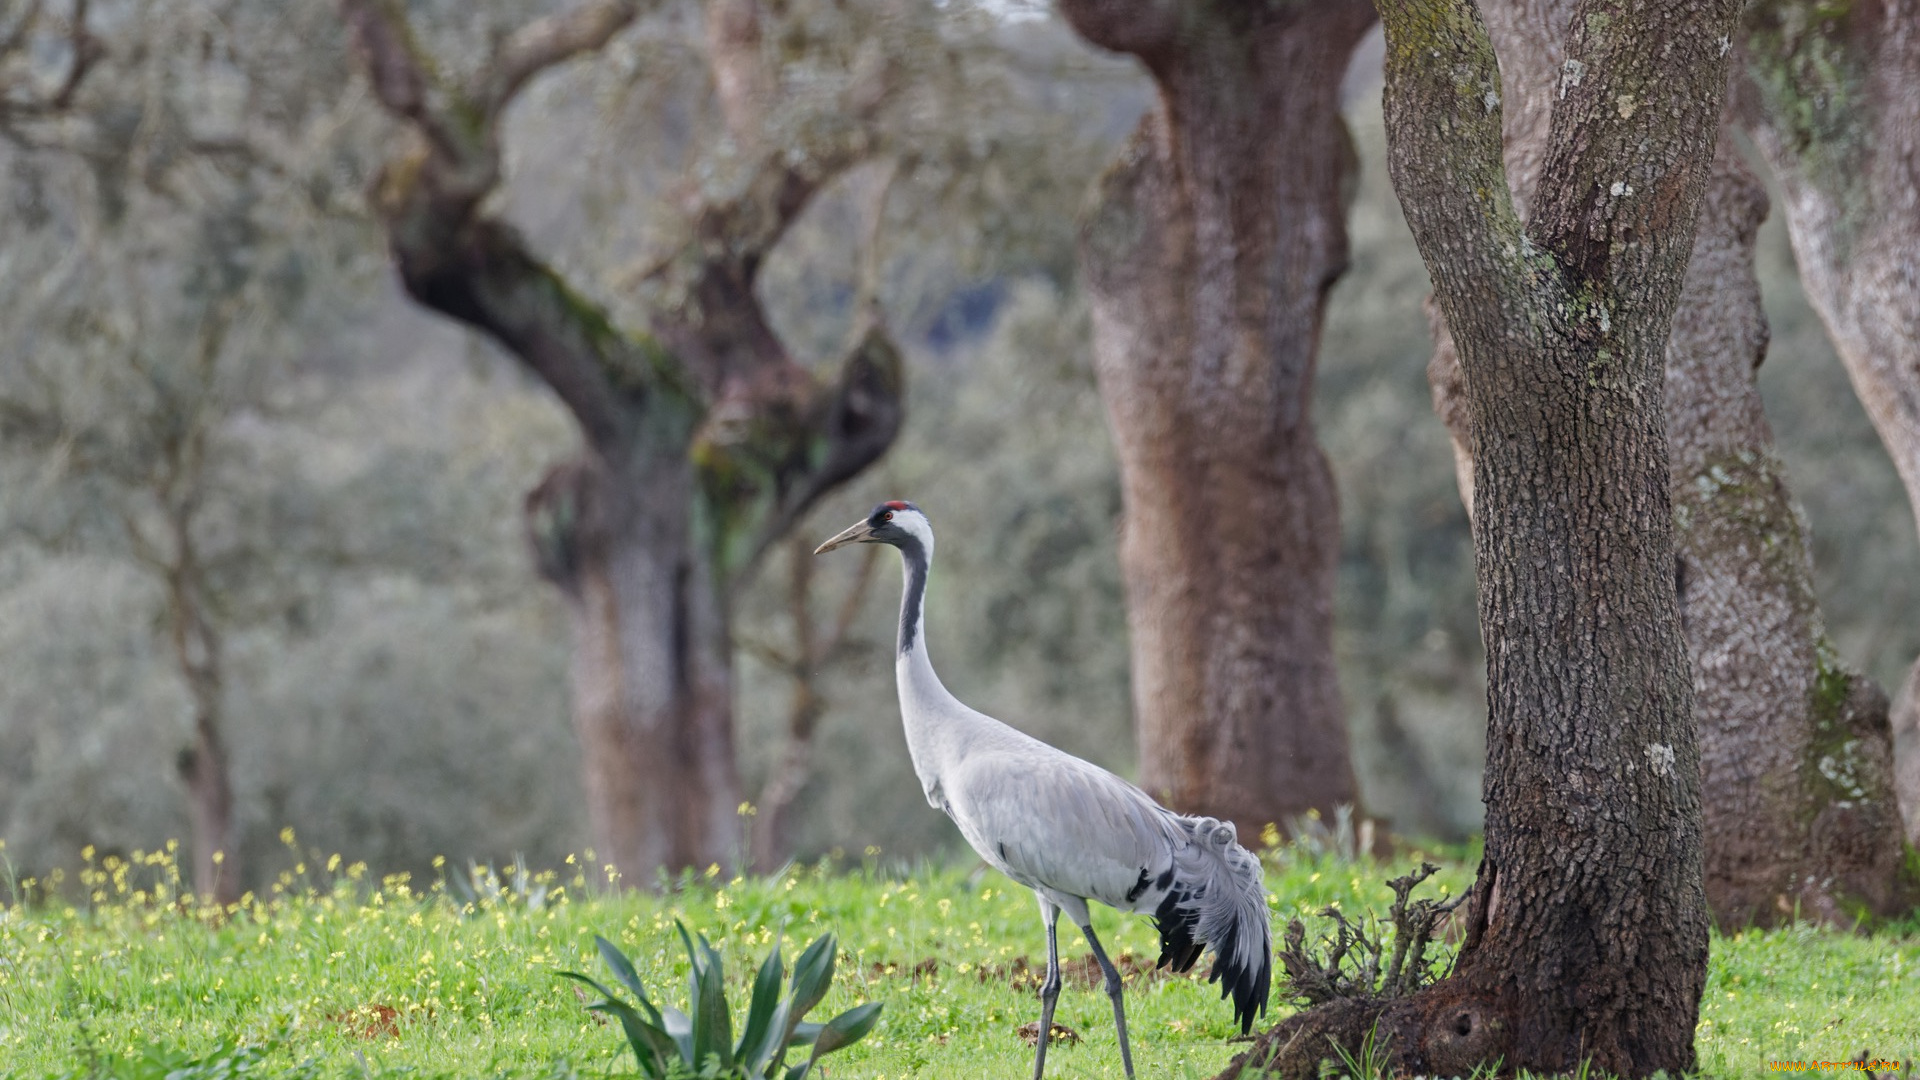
(334, 975)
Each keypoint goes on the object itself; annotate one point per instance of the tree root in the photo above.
(1447, 1029)
(1294, 1048)
(1374, 1000)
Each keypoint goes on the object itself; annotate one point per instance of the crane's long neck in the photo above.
(921, 691)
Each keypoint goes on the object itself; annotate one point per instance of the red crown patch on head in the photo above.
(897, 504)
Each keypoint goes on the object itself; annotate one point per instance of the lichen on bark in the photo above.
(1588, 678)
(1826, 92)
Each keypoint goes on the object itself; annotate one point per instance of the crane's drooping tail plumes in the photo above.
(1217, 898)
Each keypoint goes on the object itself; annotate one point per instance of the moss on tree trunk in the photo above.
(1587, 926)
(703, 440)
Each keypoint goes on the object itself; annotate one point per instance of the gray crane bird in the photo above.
(1068, 829)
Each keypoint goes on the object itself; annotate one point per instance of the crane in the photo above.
(1068, 829)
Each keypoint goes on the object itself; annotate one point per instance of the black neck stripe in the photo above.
(915, 559)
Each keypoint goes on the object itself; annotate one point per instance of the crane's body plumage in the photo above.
(1068, 829)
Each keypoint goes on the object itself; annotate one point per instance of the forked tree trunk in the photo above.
(1588, 929)
(1587, 925)
(1208, 258)
(703, 440)
(1799, 817)
(1832, 98)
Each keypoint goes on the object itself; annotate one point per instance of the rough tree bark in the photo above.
(1798, 808)
(1208, 258)
(1829, 93)
(1799, 816)
(704, 439)
(1587, 925)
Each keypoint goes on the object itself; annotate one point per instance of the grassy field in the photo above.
(332, 974)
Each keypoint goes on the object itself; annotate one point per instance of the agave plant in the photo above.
(700, 1041)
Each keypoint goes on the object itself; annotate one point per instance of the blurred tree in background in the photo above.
(175, 193)
(1828, 95)
(1208, 254)
(1799, 814)
(706, 439)
(703, 439)
(194, 511)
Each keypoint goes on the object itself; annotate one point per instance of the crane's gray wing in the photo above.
(1049, 820)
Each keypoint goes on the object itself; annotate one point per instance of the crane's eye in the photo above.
(888, 516)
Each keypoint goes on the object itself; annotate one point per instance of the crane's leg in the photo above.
(1113, 992)
(1049, 990)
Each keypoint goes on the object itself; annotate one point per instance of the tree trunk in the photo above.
(1905, 721)
(204, 767)
(1587, 925)
(652, 661)
(1208, 258)
(1829, 94)
(1798, 812)
(704, 440)
(1587, 936)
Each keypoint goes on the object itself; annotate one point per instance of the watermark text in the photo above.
(1832, 1066)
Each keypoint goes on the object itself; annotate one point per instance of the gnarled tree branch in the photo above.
(543, 43)
(478, 269)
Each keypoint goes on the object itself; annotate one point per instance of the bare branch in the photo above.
(545, 42)
(846, 430)
(741, 77)
(84, 52)
(17, 35)
(745, 228)
(767, 653)
(1348, 962)
(825, 647)
(784, 174)
(401, 76)
(144, 550)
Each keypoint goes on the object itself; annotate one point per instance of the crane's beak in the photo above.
(858, 534)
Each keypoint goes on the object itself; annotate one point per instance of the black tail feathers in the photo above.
(1247, 984)
(1246, 980)
(1218, 900)
(1177, 918)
